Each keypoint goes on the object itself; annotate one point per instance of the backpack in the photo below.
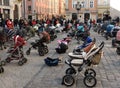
(51, 62)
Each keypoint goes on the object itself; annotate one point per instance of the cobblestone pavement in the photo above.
(35, 74)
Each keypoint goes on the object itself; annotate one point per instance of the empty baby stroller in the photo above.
(40, 46)
(116, 41)
(72, 32)
(52, 35)
(118, 50)
(78, 65)
(81, 36)
(16, 52)
(62, 46)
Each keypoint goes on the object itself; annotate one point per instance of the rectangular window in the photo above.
(66, 4)
(6, 2)
(83, 4)
(74, 3)
(29, 8)
(91, 4)
(0, 2)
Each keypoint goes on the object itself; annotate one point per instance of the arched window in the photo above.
(91, 4)
(0, 2)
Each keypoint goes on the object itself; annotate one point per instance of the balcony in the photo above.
(103, 6)
(66, 9)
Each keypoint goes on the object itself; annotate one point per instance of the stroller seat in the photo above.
(90, 56)
(82, 54)
(77, 56)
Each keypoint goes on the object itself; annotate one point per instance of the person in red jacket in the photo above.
(18, 41)
(9, 24)
(34, 22)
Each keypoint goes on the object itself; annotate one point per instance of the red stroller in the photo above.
(16, 52)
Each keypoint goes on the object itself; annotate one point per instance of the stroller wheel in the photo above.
(68, 80)
(55, 36)
(90, 72)
(41, 53)
(3, 63)
(20, 63)
(8, 60)
(52, 38)
(70, 71)
(1, 69)
(28, 52)
(118, 51)
(46, 50)
(5, 47)
(90, 81)
(24, 60)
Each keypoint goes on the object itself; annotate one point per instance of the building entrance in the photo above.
(16, 15)
(86, 17)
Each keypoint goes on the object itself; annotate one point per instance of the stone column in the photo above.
(12, 10)
(19, 10)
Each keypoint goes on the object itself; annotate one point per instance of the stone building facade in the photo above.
(88, 9)
(10, 9)
(38, 9)
(103, 8)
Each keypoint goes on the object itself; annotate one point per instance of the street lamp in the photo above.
(78, 8)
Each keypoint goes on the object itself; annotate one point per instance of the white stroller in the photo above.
(90, 59)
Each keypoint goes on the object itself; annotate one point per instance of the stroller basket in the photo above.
(96, 54)
(96, 58)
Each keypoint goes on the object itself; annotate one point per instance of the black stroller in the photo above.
(81, 35)
(40, 46)
(62, 47)
(52, 34)
(93, 58)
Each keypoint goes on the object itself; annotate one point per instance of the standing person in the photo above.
(0, 22)
(21, 23)
(15, 22)
(3, 23)
(34, 22)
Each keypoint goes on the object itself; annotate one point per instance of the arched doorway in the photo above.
(16, 15)
(86, 17)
